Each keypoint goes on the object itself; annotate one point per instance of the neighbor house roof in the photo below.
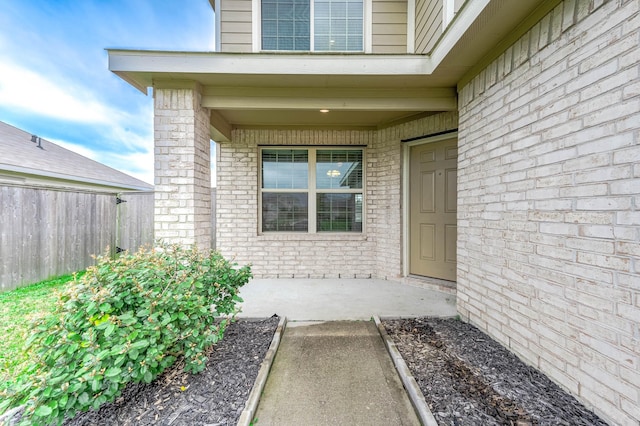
(28, 162)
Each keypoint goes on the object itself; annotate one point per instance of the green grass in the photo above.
(18, 308)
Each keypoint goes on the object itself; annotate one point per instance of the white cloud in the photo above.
(120, 139)
(54, 73)
(30, 91)
(78, 149)
(130, 132)
(136, 164)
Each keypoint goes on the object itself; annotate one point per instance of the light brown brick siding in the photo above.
(374, 253)
(182, 168)
(548, 222)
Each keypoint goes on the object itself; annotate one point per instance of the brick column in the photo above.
(182, 166)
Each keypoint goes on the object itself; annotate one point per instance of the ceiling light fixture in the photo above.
(324, 111)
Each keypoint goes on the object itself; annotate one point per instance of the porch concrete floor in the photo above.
(341, 299)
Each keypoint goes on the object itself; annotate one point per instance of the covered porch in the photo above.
(342, 299)
(374, 103)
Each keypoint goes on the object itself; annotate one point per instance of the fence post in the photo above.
(117, 235)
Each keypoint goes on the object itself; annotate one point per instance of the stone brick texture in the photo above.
(376, 252)
(549, 205)
(182, 168)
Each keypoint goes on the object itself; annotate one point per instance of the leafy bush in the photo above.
(18, 309)
(126, 320)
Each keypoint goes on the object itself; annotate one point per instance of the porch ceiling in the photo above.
(289, 90)
(360, 90)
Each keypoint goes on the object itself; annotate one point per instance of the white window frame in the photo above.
(311, 189)
(450, 9)
(411, 26)
(217, 26)
(367, 16)
(448, 12)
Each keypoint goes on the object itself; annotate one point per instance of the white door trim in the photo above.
(406, 151)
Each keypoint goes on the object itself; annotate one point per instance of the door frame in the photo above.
(406, 161)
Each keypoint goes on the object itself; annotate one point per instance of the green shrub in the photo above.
(126, 320)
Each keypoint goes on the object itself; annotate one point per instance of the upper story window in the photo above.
(312, 25)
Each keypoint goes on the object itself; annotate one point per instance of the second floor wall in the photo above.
(366, 26)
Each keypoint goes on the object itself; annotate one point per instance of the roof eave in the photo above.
(140, 67)
(74, 179)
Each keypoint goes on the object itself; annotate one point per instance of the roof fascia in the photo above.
(461, 23)
(137, 66)
(62, 176)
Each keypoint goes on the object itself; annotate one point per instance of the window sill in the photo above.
(315, 52)
(324, 236)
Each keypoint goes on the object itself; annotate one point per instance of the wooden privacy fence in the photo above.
(46, 232)
(134, 220)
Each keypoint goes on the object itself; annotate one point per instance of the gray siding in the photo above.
(389, 26)
(235, 26)
(428, 24)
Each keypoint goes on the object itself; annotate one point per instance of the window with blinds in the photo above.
(311, 190)
(337, 25)
(286, 25)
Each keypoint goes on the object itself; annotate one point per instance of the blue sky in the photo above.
(54, 76)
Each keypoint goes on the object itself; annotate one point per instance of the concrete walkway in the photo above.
(334, 373)
(330, 369)
(341, 299)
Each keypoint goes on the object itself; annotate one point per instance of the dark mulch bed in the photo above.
(216, 396)
(469, 379)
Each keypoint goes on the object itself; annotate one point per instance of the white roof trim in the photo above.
(266, 63)
(457, 28)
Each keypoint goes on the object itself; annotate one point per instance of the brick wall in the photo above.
(386, 187)
(283, 255)
(182, 167)
(549, 212)
(374, 253)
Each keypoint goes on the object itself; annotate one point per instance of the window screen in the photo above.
(333, 204)
(286, 25)
(337, 25)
